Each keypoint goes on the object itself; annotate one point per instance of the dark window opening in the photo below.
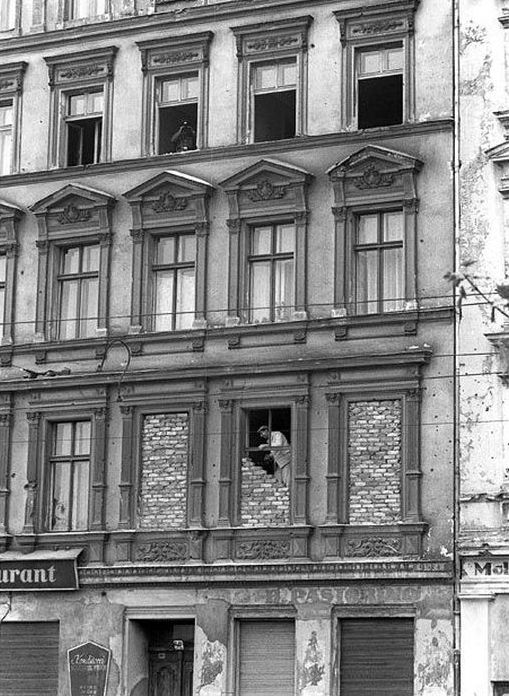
(177, 128)
(274, 117)
(84, 141)
(278, 422)
(500, 688)
(380, 101)
(170, 649)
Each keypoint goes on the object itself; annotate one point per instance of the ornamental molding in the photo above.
(272, 36)
(373, 546)
(97, 63)
(11, 78)
(262, 550)
(378, 27)
(161, 551)
(78, 73)
(266, 191)
(176, 57)
(373, 178)
(272, 43)
(168, 203)
(71, 214)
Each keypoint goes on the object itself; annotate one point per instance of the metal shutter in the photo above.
(376, 657)
(266, 658)
(29, 659)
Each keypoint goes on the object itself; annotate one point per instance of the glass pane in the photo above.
(90, 260)
(367, 282)
(190, 87)
(393, 226)
(285, 238)
(62, 443)
(7, 15)
(61, 502)
(163, 305)
(261, 240)
(367, 229)
(77, 104)
(68, 309)
(392, 279)
(288, 74)
(71, 260)
(259, 292)
(394, 58)
(82, 437)
(170, 90)
(6, 115)
(283, 290)
(5, 151)
(370, 62)
(95, 103)
(81, 9)
(185, 299)
(265, 76)
(100, 7)
(187, 248)
(3, 267)
(80, 490)
(89, 306)
(2, 305)
(165, 250)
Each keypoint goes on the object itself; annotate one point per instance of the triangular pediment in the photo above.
(7, 210)
(169, 181)
(74, 195)
(372, 159)
(499, 153)
(266, 171)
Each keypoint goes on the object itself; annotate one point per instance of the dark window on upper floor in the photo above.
(83, 122)
(177, 113)
(380, 86)
(274, 100)
(84, 9)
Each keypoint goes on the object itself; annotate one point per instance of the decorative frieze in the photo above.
(373, 546)
(263, 549)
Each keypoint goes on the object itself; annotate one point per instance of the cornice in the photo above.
(231, 151)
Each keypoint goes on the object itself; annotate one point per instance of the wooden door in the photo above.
(171, 673)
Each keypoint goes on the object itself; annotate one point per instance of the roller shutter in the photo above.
(266, 658)
(29, 659)
(376, 657)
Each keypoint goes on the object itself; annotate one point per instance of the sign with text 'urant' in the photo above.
(88, 669)
(34, 573)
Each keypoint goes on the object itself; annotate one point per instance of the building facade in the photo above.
(227, 359)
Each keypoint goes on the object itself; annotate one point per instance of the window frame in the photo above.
(358, 77)
(372, 27)
(76, 73)
(70, 6)
(11, 91)
(169, 58)
(15, 13)
(254, 92)
(61, 278)
(269, 42)
(69, 119)
(9, 222)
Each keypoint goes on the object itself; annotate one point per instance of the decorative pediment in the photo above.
(267, 185)
(72, 195)
(69, 68)
(169, 198)
(9, 215)
(374, 173)
(271, 37)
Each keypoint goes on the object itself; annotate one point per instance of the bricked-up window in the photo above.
(173, 271)
(271, 272)
(83, 9)
(6, 125)
(274, 91)
(177, 113)
(7, 14)
(379, 262)
(78, 284)
(3, 273)
(380, 86)
(83, 122)
(69, 464)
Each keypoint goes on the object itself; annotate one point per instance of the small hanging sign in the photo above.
(88, 669)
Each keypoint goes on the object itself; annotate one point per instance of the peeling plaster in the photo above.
(434, 675)
(210, 659)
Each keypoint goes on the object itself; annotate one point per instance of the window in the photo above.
(11, 82)
(269, 436)
(6, 123)
(174, 282)
(274, 100)
(266, 653)
(272, 79)
(175, 93)
(69, 475)
(82, 9)
(78, 282)
(500, 688)
(84, 128)
(376, 656)
(379, 258)
(3, 274)
(7, 15)
(379, 86)
(177, 113)
(271, 273)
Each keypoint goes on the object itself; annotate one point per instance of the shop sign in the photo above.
(485, 568)
(38, 574)
(88, 669)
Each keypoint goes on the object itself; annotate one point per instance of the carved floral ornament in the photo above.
(373, 178)
(266, 191)
(168, 203)
(71, 214)
(263, 549)
(374, 546)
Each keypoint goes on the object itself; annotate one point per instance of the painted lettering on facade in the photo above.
(57, 574)
(483, 569)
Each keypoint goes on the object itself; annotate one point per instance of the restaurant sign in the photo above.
(487, 568)
(88, 669)
(40, 570)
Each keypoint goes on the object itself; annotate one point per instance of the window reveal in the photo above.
(78, 282)
(274, 100)
(269, 435)
(379, 263)
(174, 282)
(83, 124)
(271, 273)
(69, 476)
(177, 113)
(380, 86)
(81, 9)
(6, 125)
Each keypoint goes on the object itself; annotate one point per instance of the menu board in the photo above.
(88, 669)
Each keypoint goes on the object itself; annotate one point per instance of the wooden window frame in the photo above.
(79, 276)
(69, 11)
(16, 27)
(11, 91)
(375, 27)
(168, 58)
(9, 222)
(270, 42)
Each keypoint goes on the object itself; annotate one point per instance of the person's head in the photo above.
(264, 432)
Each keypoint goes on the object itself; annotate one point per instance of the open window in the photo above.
(379, 86)
(6, 133)
(268, 440)
(274, 90)
(84, 123)
(177, 113)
